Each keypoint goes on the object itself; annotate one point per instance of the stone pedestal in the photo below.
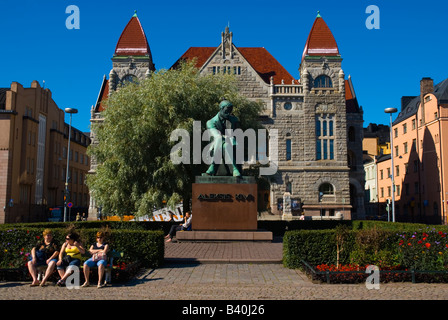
(224, 208)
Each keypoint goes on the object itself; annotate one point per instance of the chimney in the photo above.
(426, 86)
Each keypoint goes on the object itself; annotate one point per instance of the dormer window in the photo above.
(323, 81)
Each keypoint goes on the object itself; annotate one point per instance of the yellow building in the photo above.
(33, 155)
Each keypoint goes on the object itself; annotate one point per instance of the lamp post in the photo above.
(70, 111)
(390, 111)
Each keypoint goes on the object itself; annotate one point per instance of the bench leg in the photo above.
(41, 273)
(107, 276)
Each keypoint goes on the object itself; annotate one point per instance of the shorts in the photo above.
(73, 262)
(91, 264)
(40, 262)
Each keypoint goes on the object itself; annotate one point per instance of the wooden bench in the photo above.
(111, 255)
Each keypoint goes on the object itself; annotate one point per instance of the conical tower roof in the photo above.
(133, 40)
(320, 41)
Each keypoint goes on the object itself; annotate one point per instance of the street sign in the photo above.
(69, 204)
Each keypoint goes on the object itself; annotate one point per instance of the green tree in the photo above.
(134, 171)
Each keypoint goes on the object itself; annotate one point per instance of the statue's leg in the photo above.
(211, 171)
(230, 155)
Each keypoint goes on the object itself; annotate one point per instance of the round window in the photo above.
(287, 106)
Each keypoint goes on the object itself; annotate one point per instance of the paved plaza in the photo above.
(225, 271)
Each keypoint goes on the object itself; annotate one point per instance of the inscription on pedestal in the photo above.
(224, 203)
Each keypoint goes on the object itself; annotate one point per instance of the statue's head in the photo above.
(225, 109)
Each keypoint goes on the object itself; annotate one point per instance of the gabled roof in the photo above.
(320, 40)
(133, 40)
(259, 58)
(351, 102)
(102, 96)
(441, 91)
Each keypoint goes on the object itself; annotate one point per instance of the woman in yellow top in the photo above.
(70, 255)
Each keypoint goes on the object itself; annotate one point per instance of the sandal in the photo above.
(61, 283)
(86, 284)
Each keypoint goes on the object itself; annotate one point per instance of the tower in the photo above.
(131, 62)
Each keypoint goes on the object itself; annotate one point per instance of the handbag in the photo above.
(66, 260)
(99, 256)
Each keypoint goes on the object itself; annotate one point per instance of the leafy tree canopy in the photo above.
(134, 171)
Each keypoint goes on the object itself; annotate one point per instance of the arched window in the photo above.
(323, 81)
(326, 188)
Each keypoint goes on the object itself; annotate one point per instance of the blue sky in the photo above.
(384, 63)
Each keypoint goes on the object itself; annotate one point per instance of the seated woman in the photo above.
(69, 256)
(182, 226)
(99, 259)
(43, 254)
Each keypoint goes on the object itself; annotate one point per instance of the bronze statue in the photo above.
(217, 126)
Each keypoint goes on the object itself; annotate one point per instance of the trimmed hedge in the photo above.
(146, 247)
(314, 247)
(413, 246)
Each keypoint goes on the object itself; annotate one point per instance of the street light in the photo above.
(390, 111)
(70, 111)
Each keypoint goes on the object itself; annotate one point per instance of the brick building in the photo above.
(33, 153)
(318, 118)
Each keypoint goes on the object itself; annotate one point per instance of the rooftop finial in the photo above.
(135, 14)
(318, 15)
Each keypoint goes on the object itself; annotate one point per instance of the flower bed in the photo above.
(357, 274)
(416, 256)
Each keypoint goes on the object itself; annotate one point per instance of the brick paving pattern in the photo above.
(225, 271)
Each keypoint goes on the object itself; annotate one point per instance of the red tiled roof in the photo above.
(266, 65)
(259, 58)
(200, 53)
(133, 40)
(320, 41)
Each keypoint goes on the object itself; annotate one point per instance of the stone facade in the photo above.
(292, 109)
(328, 182)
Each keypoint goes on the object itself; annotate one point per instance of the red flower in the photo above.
(428, 245)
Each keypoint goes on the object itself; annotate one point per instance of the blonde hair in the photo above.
(47, 231)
